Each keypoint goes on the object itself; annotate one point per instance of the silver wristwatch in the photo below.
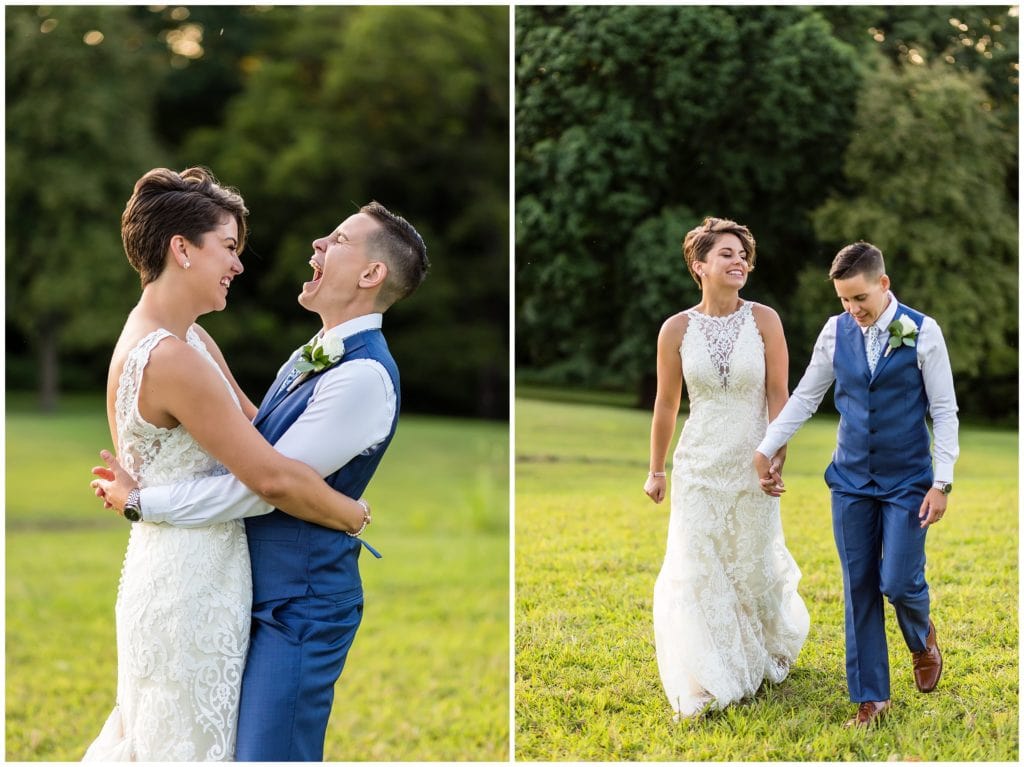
(133, 505)
(944, 487)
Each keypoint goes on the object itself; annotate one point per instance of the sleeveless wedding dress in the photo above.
(727, 615)
(183, 602)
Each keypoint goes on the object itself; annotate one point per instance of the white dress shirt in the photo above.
(350, 412)
(932, 361)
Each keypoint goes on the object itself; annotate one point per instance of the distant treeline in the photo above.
(815, 126)
(310, 112)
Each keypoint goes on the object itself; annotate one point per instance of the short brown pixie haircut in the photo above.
(399, 245)
(699, 241)
(165, 203)
(859, 258)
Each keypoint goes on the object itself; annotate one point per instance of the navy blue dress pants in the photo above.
(881, 551)
(297, 651)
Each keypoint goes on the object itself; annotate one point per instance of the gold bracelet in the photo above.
(366, 519)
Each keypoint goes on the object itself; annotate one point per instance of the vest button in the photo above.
(872, 451)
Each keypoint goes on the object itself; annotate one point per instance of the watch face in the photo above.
(132, 514)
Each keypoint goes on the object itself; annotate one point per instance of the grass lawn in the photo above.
(589, 545)
(428, 676)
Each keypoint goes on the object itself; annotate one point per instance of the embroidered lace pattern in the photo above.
(183, 603)
(720, 334)
(727, 615)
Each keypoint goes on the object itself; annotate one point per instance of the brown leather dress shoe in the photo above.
(928, 663)
(868, 713)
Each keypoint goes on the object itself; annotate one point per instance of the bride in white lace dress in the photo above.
(176, 413)
(727, 615)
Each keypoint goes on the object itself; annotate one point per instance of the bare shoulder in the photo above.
(767, 319)
(764, 313)
(674, 328)
(173, 361)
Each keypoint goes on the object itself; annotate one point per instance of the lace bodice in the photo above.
(152, 454)
(723, 366)
(710, 345)
(720, 335)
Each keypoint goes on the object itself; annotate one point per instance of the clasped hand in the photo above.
(114, 483)
(769, 473)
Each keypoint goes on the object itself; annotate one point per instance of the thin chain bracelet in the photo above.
(366, 519)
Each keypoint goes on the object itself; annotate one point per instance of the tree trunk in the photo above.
(647, 391)
(49, 369)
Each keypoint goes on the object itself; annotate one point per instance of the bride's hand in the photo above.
(773, 484)
(769, 473)
(655, 488)
(114, 482)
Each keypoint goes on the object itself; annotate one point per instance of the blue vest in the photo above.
(290, 557)
(883, 437)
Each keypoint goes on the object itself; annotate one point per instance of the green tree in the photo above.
(408, 105)
(626, 116)
(925, 195)
(309, 111)
(974, 38)
(983, 39)
(75, 146)
(206, 49)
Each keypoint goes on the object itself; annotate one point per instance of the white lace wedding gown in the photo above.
(183, 603)
(727, 614)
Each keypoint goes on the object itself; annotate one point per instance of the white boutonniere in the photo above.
(902, 332)
(317, 356)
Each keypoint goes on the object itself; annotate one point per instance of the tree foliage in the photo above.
(925, 195)
(632, 124)
(310, 112)
(74, 149)
(626, 117)
(407, 105)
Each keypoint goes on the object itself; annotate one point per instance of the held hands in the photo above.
(933, 507)
(114, 483)
(655, 487)
(770, 472)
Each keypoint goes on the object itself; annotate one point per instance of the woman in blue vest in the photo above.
(891, 369)
(727, 615)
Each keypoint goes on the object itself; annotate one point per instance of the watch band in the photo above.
(133, 505)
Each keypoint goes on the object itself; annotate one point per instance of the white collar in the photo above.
(886, 317)
(372, 321)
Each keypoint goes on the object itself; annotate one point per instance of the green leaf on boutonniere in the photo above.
(909, 342)
(319, 356)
